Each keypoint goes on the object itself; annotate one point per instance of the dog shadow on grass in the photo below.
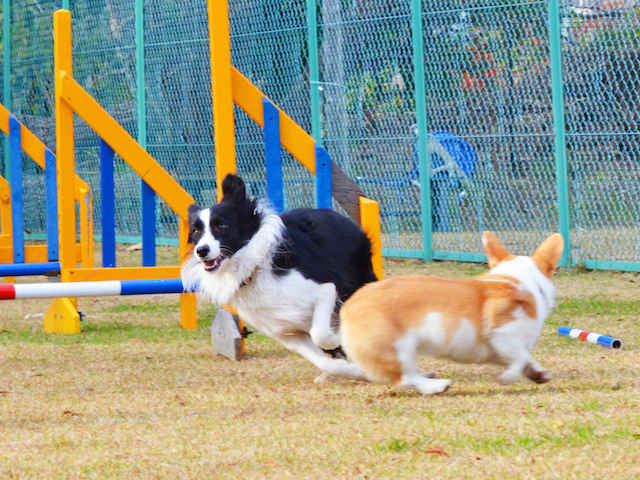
(491, 392)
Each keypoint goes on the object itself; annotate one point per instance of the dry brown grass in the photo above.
(135, 397)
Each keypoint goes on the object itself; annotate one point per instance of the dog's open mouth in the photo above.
(213, 265)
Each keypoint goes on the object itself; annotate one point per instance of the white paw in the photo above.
(508, 377)
(438, 386)
(426, 386)
(325, 377)
(325, 340)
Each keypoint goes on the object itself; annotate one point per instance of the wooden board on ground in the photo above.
(225, 336)
(346, 192)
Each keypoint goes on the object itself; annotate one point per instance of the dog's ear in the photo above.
(233, 189)
(496, 252)
(548, 254)
(193, 211)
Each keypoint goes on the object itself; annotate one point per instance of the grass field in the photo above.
(134, 396)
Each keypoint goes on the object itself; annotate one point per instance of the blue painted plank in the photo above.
(108, 213)
(148, 225)
(273, 155)
(15, 182)
(141, 287)
(323, 178)
(51, 193)
(24, 269)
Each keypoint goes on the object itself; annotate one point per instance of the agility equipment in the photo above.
(590, 337)
(90, 289)
(17, 258)
(229, 86)
(70, 99)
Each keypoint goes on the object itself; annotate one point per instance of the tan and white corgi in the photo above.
(496, 317)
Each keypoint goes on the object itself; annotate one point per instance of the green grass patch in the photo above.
(596, 306)
(575, 435)
(396, 445)
(105, 333)
(143, 308)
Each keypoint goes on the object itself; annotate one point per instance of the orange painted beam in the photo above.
(122, 273)
(370, 221)
(292, 136)
(6, 227)
(32, 253)
(221, 99)
(34, 148)
(65, 156)
(124, 145)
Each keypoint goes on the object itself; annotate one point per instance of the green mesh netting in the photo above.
(488, 100)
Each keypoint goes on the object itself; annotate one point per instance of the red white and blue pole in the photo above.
(590, 337)
(90, 289)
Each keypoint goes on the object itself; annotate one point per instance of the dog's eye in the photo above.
(222, 226)
(196, 230)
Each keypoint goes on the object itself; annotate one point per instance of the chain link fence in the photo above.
(489, 113)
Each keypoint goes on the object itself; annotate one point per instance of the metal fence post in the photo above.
(421, 117)
(559, 131)
(6, 74)
(147, 193)
(314, 72)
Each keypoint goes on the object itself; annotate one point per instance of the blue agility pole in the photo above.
(590, 337)
(24, 269)
(90, 289)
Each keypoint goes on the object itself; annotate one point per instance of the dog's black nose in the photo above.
(202, 251)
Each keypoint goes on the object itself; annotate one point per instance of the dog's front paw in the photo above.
(325, 340)
(325, 377)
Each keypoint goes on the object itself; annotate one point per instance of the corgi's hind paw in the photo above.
(535, 375)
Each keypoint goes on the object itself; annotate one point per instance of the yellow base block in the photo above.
(188, 317)
(62, 317)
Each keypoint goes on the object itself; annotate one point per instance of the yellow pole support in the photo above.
(64, 141)
(188, 307)
(62, 316)
(370, 220)
(221, 96)
(6, 225)
(6, 221)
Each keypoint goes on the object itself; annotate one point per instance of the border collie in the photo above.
(286, 275)
(496, 317)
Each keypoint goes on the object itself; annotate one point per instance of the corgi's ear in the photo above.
(548, 254)
(496, 252)
(233, 189)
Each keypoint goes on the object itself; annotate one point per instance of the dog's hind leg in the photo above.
(512, 352)
(321, 332)
(301, 343)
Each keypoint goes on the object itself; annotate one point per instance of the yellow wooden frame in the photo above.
(72, 98)
(34, 148)
(6, 222)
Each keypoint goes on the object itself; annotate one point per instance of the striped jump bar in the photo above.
(90, 289)
(590, 337)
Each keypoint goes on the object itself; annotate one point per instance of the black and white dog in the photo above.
(284, 274)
